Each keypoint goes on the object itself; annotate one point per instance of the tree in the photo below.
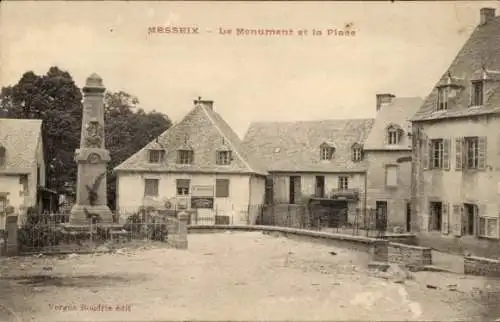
(55, 99)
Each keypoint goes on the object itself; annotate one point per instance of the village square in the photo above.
(109, 212)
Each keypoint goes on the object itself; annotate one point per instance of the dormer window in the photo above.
(224, 157)
(477, 90)
(156, 156)
(326, 152)
(185, 156)
(357, 152)
(442, 103)
(394, 134)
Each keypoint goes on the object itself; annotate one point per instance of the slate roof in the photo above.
(295, 146)
(20, 139)
(398, 112)
(482, 49)
(207, 132)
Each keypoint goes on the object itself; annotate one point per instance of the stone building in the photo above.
(387, 151)
(322, 159)
(456, 159)
(22, 165)
(199, 161)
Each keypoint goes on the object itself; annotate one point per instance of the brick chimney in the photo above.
(384, 99)
(486, 14)
(206, 103)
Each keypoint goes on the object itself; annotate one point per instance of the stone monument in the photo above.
(91, 158)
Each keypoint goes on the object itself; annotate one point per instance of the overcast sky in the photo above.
(400, 47)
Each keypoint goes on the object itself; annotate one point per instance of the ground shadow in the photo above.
(83, 281)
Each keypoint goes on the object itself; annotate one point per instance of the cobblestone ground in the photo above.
(229, 276)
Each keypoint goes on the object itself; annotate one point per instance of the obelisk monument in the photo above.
(92, 158)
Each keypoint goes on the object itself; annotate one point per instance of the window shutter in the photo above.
(481, 164)
(425, 154)
(459, 153)
(445, 215)
(431, 218)
(457, 220)
(446, 154)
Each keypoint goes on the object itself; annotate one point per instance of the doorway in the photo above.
(470, 211)
(381, 215)
(320, 187)
(408, 217)
(294, 188)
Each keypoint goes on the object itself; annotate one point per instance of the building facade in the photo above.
(456, 159)
(387, 151)
(22, 165)
(200, 162)
(320, 159)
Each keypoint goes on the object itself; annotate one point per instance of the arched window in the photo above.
(394, 134)
(357, 152)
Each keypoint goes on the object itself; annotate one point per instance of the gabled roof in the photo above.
(482, 49)
(206, 132)
(398, 112)
(20, 138)
(295, 146)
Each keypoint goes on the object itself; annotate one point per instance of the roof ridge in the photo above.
(231, 143)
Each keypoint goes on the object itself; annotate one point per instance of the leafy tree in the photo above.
(57, 100)
(54, 98)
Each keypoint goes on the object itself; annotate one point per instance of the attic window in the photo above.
(357, 153)
(477, 91)
(326, 152)
(442, 102)
(394, 134)
(224, 157)
(185, 156)
(156, 156)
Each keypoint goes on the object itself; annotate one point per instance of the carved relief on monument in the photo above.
(95, 134)
(94, 158)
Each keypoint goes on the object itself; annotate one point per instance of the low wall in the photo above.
(375, 248)
(409, 254)
(407, 239)
(481, 266)
(482, 247)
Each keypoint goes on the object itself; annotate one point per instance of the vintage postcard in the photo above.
(249, 160)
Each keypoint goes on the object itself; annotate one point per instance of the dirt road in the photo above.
(228, 276)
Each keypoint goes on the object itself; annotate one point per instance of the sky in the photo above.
(398, 47)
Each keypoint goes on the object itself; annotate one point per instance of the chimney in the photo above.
(486, 14)
(384, 99)
(206, 103)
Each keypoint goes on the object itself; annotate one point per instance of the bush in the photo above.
(147, 225)
(35, 234)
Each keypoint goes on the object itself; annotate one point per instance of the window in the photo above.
(357, 153)
(151, 187)
(442, 103)
(343, 183)
(182, 187)
(326, 153)
(391, 173)
(185, 157)
(222, 188)
(471, 152)
(436, 213)
(23, 181)
(224, 157)
(437, 154)
(156, 156)
(488, 227)
(393, 135)
(477, 93)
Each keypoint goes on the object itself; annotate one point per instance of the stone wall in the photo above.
(409, 254)
(481, 266)
(372, 248)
